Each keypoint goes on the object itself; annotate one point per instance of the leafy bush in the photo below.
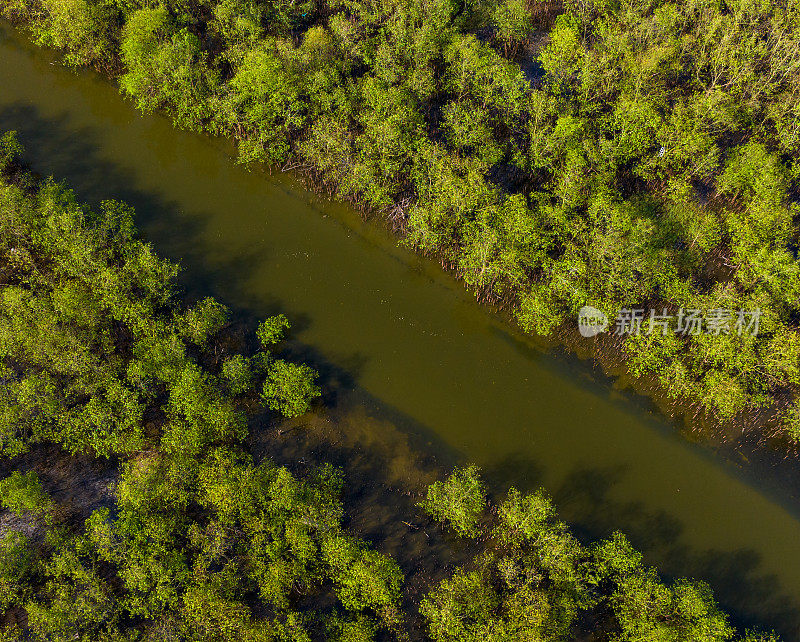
(23, 493)
(459, 500)
(290, 388)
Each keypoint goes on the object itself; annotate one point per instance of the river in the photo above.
(401, 342)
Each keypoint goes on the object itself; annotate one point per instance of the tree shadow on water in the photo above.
(78, 155)
(520, 471)
(750, 594)
(376, 444)
(56, 147)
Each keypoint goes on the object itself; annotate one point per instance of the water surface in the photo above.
(398, 340)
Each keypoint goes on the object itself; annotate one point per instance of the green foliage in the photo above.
(239, 374)
(199, 413)
(792, 423)
(72, 321)
(468, 130)
(564, 54)
(533, 580)
(10, 149)
(459, 500)
(647, 157)
(460, 608)
(647, 609)
(165, 68)
(282, 519)
(16, 570)
(530, 585)
(290, 388)
(364, 579)
(259, 528)
(88, 31)
(272, 329)
(202, 321)
(620, 155)
(263, 103)
(360, 629)
(513, 21)
(238, 24)
(523, 518)
(23, 493)
(75, 602)
(91, 340)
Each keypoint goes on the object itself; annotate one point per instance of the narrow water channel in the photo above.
(393, 334)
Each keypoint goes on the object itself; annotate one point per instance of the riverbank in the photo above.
(197, 539)
(392, 334)
(513, 186)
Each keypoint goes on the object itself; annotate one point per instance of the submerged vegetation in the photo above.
(634, 154)
(98, 355)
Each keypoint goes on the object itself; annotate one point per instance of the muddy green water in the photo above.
(391, 333)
